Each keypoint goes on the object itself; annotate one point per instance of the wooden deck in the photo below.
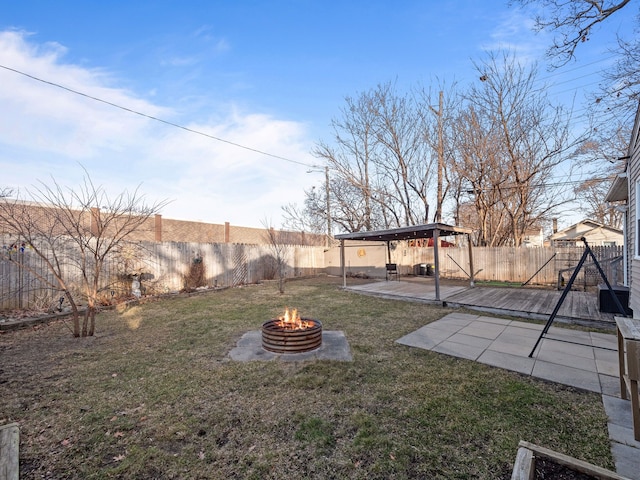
(578, 307)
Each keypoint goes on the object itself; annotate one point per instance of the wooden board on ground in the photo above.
(9, 458)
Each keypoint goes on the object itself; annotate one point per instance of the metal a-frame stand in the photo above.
(587, 252)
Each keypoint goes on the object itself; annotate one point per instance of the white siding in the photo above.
(632, 234)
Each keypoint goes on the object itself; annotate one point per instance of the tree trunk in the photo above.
(85, 323)
(280, 276)
(75, 314)
(91, 311)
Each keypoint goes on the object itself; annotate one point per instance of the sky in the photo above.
(215, 106)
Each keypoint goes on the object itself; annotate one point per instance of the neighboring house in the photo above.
(596, 234)
(626, 188)
(533, 237)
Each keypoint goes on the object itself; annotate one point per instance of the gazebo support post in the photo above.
(471, 277)
(436, 262)
(342, 264)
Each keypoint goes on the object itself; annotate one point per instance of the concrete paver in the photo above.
(458, 350)
(470, 340)
(574, 349)
(610, 385)
(604, 340)
(566, 359)
(498, 321)
(517, 363)
(425, 337)
(574, 377)
(502, 345)
(620, 416)
(607, 362)
(626, 459)
(569, 335)
(484, 329)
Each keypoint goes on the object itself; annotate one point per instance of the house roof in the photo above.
(580, 229)
(407, 233)
(619, 189)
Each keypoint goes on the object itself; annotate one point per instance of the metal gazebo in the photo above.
(431, 230)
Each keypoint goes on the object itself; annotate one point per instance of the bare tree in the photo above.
(513, 140)
(306, 219)
(574, 22)
(602, 156)
(350, 159)
(76, 229)
(380, 162)
(591, 194)
(404, 161)
(280, 242)
(478, 164)
(440, 136)
(35, 226)
(316, 216)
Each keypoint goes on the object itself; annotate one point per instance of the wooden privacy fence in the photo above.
(172, 266)
(161, 267)
(224, 264)
(537, 266)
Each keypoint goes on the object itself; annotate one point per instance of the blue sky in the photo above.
(268, 75)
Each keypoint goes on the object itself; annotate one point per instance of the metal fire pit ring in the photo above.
(281, 340)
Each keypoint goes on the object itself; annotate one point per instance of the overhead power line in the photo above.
(472, 190)
(151, 117)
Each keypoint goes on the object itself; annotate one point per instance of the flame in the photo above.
(291, 320)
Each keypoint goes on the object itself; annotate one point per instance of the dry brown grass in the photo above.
(154, 395)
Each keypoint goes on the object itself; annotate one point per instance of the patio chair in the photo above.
(392, 269)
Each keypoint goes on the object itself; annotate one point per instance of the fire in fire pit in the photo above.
(291, 334)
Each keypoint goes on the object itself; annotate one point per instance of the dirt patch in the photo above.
(547, 469)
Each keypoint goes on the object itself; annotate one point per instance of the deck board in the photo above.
(580, 307)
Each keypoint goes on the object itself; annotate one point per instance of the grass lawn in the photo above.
(154, 395)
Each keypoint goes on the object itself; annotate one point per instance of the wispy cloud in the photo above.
(46, 130)
(218, 44)
(514, 33)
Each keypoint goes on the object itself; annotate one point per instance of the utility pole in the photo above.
(326, 174)
(327, 191)
(438, 217)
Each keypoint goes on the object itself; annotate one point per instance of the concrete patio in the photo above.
(583, 360)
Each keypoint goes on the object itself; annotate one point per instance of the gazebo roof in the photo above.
(406, 233)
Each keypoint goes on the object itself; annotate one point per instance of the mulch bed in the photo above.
(548, 469)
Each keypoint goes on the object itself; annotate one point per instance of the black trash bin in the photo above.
(429, 270)
(422, 269)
